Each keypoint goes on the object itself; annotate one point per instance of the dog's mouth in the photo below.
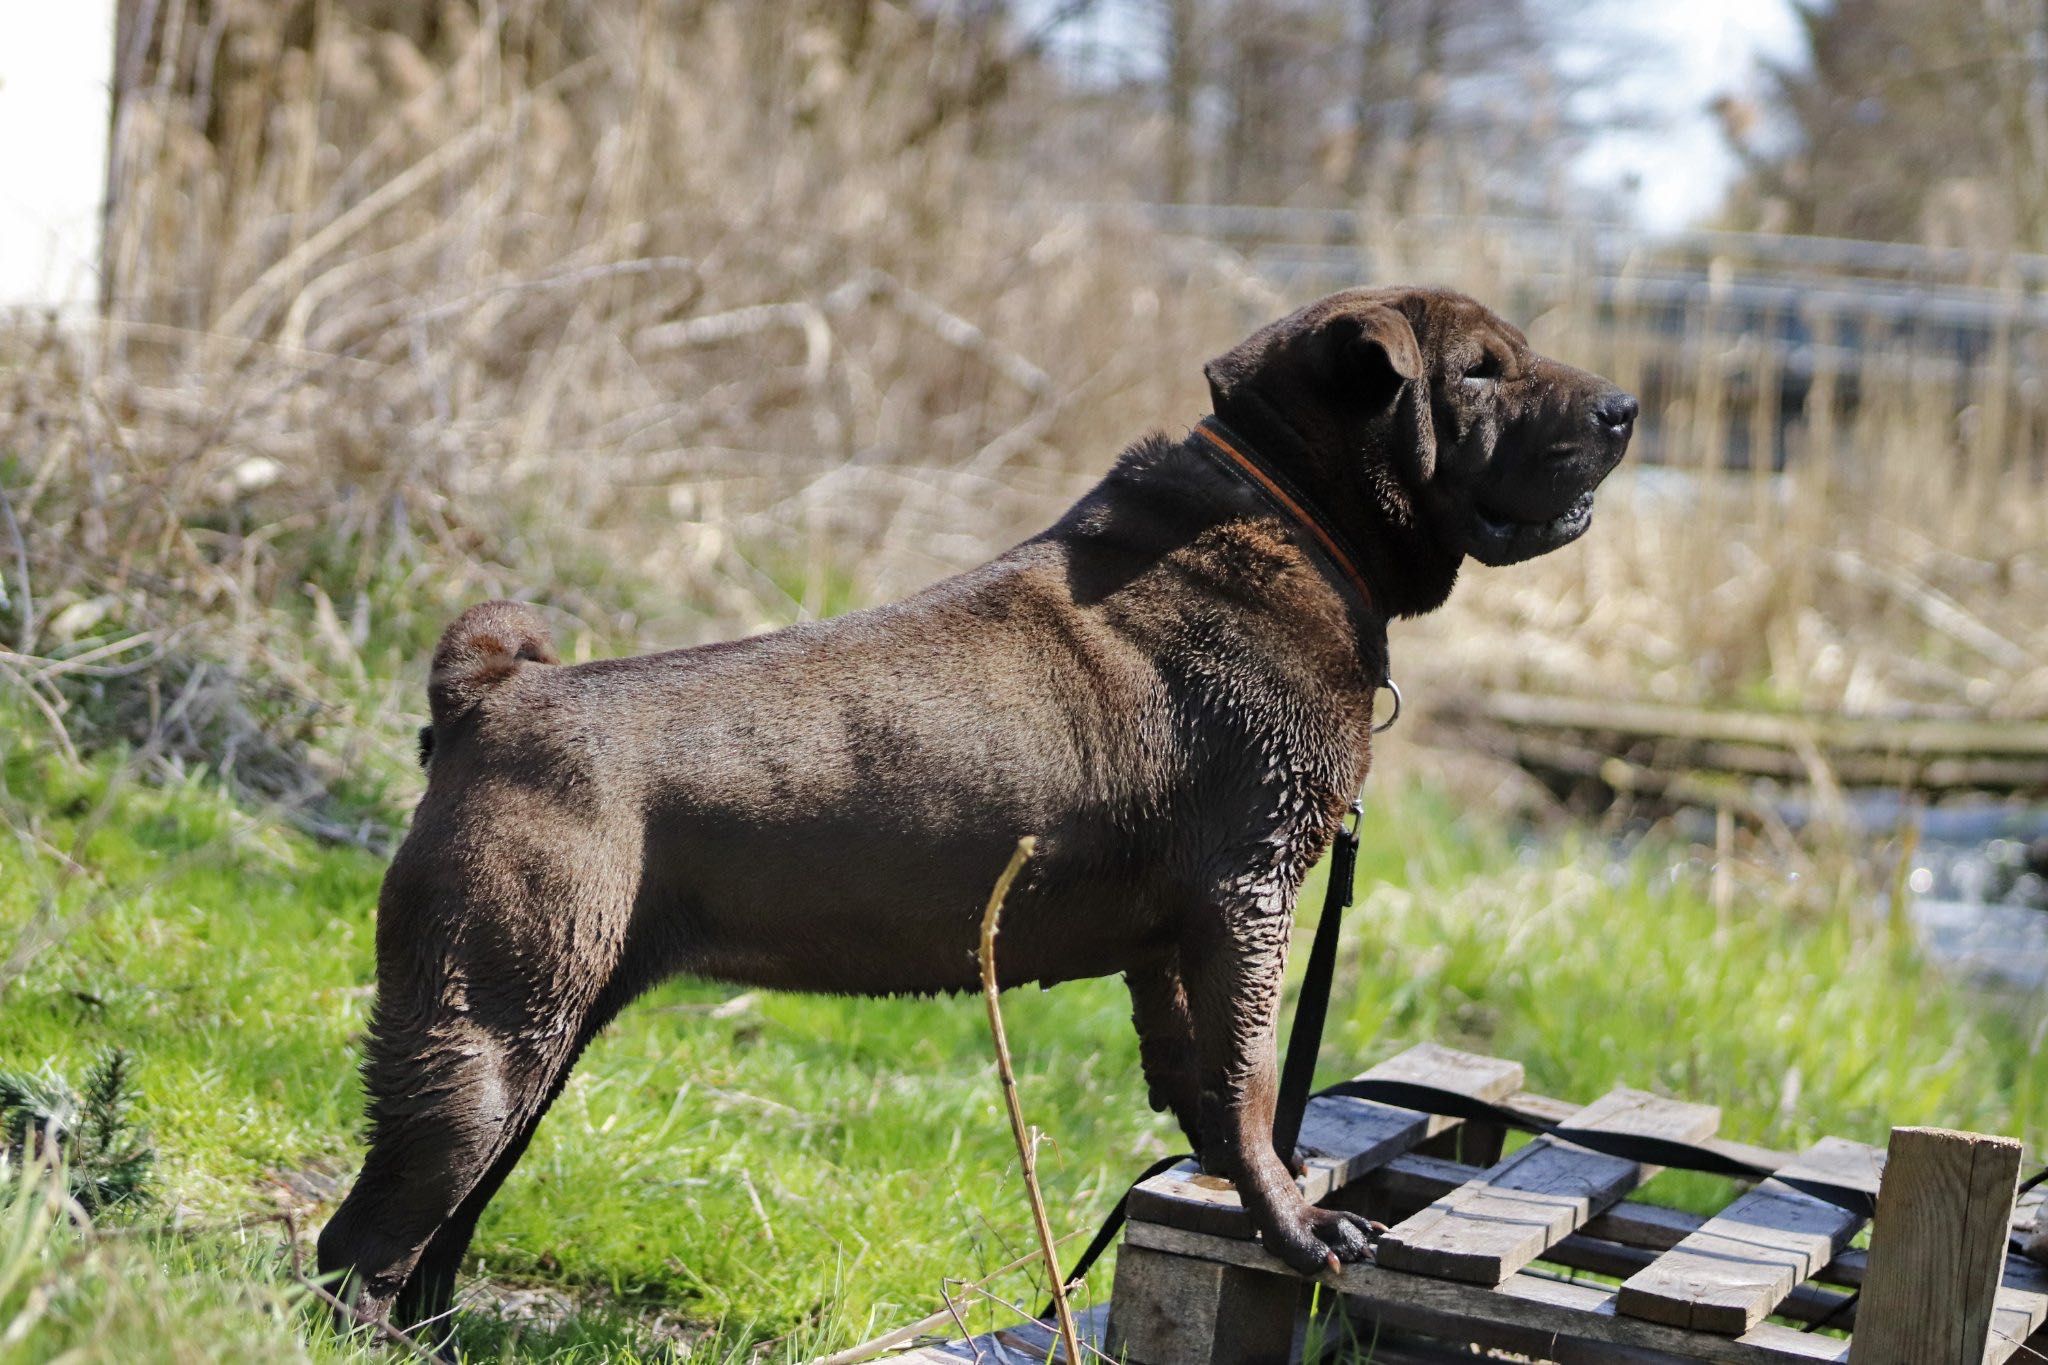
(1497, 538)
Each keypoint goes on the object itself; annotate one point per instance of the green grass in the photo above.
(789, 1175)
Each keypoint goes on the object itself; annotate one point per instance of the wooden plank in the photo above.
(1804, 1303)
(1489, 1228)
(1184, 1310)
(2019, 1312)
(1446, 1068)
(1656, 720)
(1544, 1109)
(1571, 1321)
(1619, 1242)
(1736, 1269)
(1937, 1249)
(1408, 1183)
(1521, 1328)
(2030, 1222)
(1341, 1140)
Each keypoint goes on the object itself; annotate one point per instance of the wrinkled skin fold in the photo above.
(1169, 687)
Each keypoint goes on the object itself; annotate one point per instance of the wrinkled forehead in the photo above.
(1456, 327)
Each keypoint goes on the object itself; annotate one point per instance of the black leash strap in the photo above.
(1312, 1007)
(1637, 1147)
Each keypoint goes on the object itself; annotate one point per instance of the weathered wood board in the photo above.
(1937, 1248)
(1517, 1314)
(1491, 1227)
(1737, 1268)
(1341, 1139)
(1177, 1310)
(1034, 1342)
(2019, 1312)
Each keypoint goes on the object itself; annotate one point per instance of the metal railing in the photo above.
(1782, 321)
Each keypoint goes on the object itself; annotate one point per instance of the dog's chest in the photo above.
(1275, 759)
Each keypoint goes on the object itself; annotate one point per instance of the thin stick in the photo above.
(900, 1336)
(378, 1326)
(1025, 1314)
(1026, 1148)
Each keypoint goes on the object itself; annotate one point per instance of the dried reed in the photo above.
(693, 320)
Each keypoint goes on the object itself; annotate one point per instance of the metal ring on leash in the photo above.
(1388, 723)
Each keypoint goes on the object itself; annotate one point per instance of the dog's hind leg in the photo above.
(1166, 1042)
(482, 1008)
(434, 1145)
(430, 1288)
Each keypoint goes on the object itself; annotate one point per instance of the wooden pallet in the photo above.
(1479, 1246)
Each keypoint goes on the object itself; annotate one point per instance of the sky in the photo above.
(1681, 56)
(1664, 60)
(55, 56)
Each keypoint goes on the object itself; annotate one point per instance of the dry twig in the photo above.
(1027, 1143)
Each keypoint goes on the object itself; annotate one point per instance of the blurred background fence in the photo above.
(1799, 332)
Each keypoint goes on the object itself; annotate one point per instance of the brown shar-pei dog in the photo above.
(1172, 688)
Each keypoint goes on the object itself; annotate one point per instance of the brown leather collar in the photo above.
(1236, 451)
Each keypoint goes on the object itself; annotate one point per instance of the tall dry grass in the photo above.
(691, 319)
(671, 316)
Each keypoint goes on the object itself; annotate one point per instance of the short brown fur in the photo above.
(1170, 687)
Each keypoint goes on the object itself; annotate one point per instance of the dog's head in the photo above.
(1422, 412)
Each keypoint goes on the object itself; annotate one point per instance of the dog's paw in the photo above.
(1315, 1240)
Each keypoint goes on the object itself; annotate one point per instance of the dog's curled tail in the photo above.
(480, 650)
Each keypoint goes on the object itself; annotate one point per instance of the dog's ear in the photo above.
(1417, 440)
(1373, 354)
(1375, 346)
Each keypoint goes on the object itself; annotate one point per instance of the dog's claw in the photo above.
(1324, 1239)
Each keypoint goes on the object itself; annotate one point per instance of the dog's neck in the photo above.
(1328, 540)
(1164, 500)
(1406, 568)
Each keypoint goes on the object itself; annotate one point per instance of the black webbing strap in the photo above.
(1312, 1007)
(1637, 1147)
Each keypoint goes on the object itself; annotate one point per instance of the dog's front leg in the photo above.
(1233, 961)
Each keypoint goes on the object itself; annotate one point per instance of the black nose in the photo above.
(1616, 410)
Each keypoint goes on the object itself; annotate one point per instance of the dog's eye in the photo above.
(1485, 368)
